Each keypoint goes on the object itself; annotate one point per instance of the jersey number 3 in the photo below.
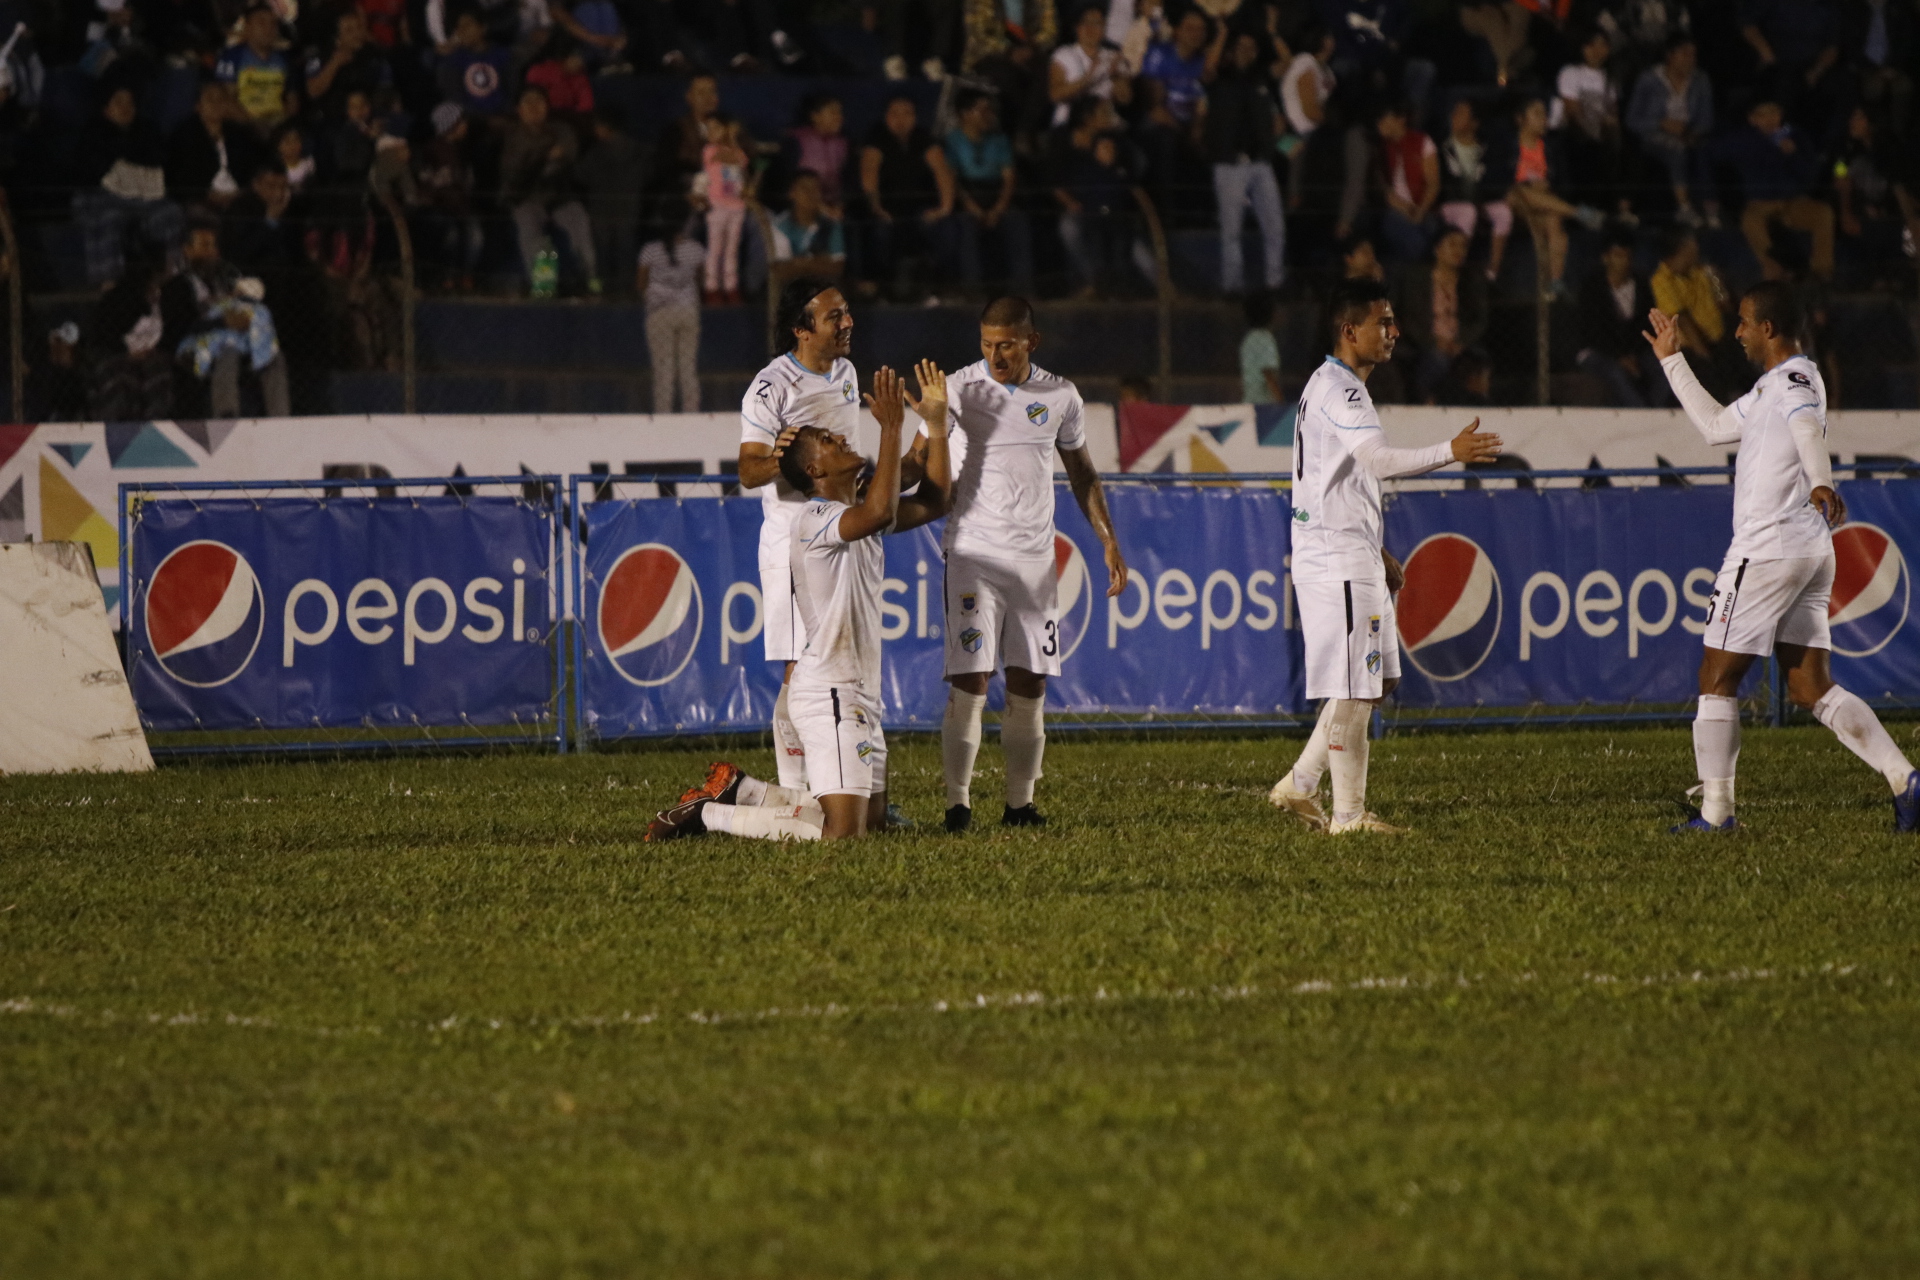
(1052, 645)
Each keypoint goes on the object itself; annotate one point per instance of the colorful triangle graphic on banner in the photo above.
(65, 516)
(1203, 461)
(73, 452)
(1221, 430)
(1142, 425)
(209, 434)
(11, 438)
(1273, 423)
(141, 444)
(13, 513)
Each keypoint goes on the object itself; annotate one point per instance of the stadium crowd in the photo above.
(1628, 152)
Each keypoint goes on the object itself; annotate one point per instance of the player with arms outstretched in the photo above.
(1777, 579)
(1009, 417)
(838, 569)
(1340, 568)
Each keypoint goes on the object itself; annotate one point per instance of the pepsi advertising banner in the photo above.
(296, 613)
(671, 614)
(1566, 596)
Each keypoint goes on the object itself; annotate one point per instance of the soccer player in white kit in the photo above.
(1009, 417)
(1776, 582)
(839, 569)
(1340, 567)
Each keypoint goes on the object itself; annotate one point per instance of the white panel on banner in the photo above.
(64, 703)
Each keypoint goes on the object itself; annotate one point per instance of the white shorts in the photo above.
(1001, 613)
(840, 730)
(1353, 644)
(782, 628)
(1760, 603)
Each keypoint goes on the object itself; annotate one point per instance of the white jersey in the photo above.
(1336, 501)
(787, 394)
(837, 584)
(1002, 447)
(1772, 519)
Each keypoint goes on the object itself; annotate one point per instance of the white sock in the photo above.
(960, 743)
(789, 822)
(1854, 723)
(1312, 764)
(1023, 736)
(789, 756)
(778, 796)
(1347, 751)
(751, 791)
(1716, 752)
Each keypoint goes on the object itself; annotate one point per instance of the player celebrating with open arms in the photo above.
(1009, 417)
(1775, 584)
(838, 569)
(1340, 570)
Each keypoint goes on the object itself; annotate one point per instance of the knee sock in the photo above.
(960, 743)
(1716, 751)
(1854, 723)
(1023, 736)
(789, 822)
(1312, 764)
(754, 793)
(1347, 750)
(788, 755)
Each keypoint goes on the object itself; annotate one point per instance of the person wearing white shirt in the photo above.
(1343, 578)
(1775, 585)
(1086, 66)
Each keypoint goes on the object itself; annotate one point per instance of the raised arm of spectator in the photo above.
(1430, 192)
(437, 23)
(1005, 200)
(1214, 50)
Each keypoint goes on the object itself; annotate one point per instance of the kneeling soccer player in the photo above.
(1775, 584)
(1340, 456)
(838, 570)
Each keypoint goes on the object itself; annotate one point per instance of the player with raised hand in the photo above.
(1002, 608)
(1777, 579)
(838, 569)
(1340, 569)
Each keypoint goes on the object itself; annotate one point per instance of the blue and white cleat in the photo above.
(1697, 825)
(1906, 806)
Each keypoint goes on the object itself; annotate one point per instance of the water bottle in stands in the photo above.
(546, 272)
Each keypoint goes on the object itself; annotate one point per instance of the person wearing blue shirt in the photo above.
(805, 235)
(1185, 64)
(982, 163)
(1777, 167)
(257, 69)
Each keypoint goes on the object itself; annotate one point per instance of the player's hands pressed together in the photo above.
(1665, 338)
(1475, 445)
(1831, 506)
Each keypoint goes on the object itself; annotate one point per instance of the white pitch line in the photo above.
(28, 1006)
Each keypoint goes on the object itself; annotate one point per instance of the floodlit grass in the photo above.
(449, 1017)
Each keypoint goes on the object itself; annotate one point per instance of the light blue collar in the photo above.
(810, 373)
(1342, 363)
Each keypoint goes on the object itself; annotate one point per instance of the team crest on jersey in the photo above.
(860, 717)
(969, 602)
(1373, 625)
(846, 389)
(1037, 414)
(863, 748)
(1373, 661)
(970, 639)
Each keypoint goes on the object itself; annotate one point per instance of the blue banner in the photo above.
(298, 613)
(671, 613)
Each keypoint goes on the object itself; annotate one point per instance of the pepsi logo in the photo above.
(1872, 590)
(204, 613)
(1073, 594)
(1449, 611)
(650, 614)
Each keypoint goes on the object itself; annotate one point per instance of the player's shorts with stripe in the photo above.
(1353, 647)
(1760, 603)
(782, 629)
(1001, 613)
(839, 728)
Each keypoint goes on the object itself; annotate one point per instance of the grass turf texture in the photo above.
(448, 1016)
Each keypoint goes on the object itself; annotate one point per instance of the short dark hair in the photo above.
(1257, 309)
(795, 300)
(1674, 241)
(1776, 303)
(1352, 243)
(1009, 309)
(794, 459)
(1349, 303)
(970, 99)
(1677, 41)
(532, 90)
(1621, 237)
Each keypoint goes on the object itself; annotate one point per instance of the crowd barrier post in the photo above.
(409, 298)
(1162, 296)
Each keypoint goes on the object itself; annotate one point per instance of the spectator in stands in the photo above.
(1186, 64)
(1305, 90)
(211, 154)
(289, 145)
(1468, 384)
(595, 26)
(1873, 182)
(1469, 188)
(821, 146)
(727, 185)
(982, 161)
(261, 232)
(58, 389)
(536, 184)
(1095, 194)
(747, 35)
(1241, 126)
(562, 75)
(1086, 67)
(118, 162)
(1531, 162)
(128, 370)
(473, 70)
(1409, 174)
(807, 235)
(519, 25)
(1586, 113)
(1502, 26)
(1692, 292)
(1359, 261)
(681, 146)
(258, 71)
(1671, 112)
(1007, 45)
(1441, 309)
(453, 234)
(1259, 352)
(217, 321)
(669, 280)
(1614, 303)
(612, 173)
(353, 64)
(1877, 46)
(1796, 44)
(909, 192)
(1777, 165)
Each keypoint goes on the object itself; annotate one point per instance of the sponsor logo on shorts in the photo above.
(1449, 611)
(969, 602)
(970, 639)
(1872, 590)
(863, 748)
(650, 614)
(1037, 414)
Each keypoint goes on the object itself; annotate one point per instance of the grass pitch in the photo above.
(449, 1017)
